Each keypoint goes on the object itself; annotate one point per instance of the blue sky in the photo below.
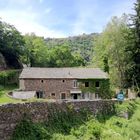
(62, 18)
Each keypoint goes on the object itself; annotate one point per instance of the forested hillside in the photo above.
(35, 51)
(82, 44)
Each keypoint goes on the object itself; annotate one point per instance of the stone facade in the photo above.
(11, 114)
(63, 83)
(53, 88)
(64, 88)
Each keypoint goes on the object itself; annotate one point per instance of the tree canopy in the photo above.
(11, 44)
(109, 50)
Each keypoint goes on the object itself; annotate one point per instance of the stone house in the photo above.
(64, 83)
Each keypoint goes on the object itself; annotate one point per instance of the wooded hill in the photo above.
(82, 44)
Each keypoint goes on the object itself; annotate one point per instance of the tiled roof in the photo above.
(56, 73)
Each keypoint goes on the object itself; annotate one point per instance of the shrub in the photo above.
(27, 130)
(9, 76)
(90, 130)
(61, 121)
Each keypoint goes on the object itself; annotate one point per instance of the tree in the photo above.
(61, 56)
(11, 44)
(109, 50)
(133, 48)
(36, 51)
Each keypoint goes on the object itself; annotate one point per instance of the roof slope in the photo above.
(56, 73)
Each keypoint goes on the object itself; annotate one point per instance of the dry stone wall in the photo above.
(11, 114)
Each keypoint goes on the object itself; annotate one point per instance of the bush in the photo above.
(9, 77)
(27, 130)
(90, 130)
(61, 121)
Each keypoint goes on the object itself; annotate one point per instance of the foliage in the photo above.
(81, 44)
(27, 130)
(103, 90)
(38, 54)
(133, 48)
(90, 130)
(35, 53)
(109, 50)
(61, 56)
(63, 126)
(9, 77)
(58, 122)
(11, 44)
(1, 90)
(127, 107)
(63, 121)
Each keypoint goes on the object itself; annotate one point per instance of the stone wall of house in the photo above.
(56, 86)
(11, 114)
(59, 86)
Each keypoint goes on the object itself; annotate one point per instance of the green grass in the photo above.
(5, 99)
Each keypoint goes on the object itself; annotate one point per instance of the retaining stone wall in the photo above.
(11, 114)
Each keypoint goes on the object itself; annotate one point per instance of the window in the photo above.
(86, 84)
(75, 83)
(53, 94)
(97, 84)
(63, 81)
(42, 81)
(63, 96)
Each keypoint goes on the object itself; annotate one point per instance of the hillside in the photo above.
(82, 44)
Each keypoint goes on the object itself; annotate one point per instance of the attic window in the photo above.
(97, 84)
(42, 81)
(86, 84)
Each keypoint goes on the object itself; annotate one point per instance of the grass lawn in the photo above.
(4, 99)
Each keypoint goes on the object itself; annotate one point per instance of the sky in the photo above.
(62, 18)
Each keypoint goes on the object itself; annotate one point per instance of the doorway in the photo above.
(39, 94)
(75, 96)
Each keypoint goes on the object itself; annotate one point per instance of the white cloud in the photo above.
(26, 22)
